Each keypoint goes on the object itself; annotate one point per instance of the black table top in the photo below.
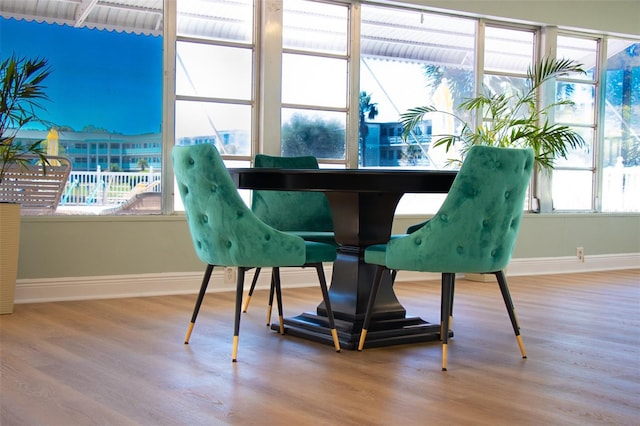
(344, 180)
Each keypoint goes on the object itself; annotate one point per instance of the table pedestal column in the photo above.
(365, 219)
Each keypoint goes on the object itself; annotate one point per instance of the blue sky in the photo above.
(106, 79)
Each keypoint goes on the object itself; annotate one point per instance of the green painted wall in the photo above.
(52, 247)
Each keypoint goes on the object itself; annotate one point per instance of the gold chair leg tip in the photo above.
(444, 368)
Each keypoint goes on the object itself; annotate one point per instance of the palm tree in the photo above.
(143, 163)
(514, 119)
(369, 111)
(21, 92)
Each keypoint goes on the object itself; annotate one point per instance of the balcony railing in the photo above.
(620, 188)
(108, 188)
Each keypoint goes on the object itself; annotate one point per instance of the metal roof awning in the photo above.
(408, 36)
(131, 16)
(401, 40)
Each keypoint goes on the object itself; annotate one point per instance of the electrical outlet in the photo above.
(580, 253)
(229, 275)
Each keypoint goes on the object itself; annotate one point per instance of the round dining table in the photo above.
(363, 204)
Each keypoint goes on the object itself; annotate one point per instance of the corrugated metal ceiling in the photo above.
(133, 16)
(383, 36)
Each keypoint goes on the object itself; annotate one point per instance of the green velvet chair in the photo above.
(475, 230)
(225, 232)
(306, 214)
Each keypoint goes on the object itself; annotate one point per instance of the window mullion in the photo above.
(598, 142)
(169, 104)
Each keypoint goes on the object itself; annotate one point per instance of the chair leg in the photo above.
(453, 292)
(448, 282)
(236, 325)
(445, 282)
(506, 295)
(245, 306)
(327, 305)
(275, 282)
(372, 299)
(196, 309)
(270, 303)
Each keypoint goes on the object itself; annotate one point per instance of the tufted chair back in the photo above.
(223, 229)
(291, 210)
(475, 230)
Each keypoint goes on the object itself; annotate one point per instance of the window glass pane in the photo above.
(226, 126)
(509, 86)
(420, 203)
(572, 190)
(105, 111)
(508, 50)
(621, 147)
(579, 157)
(314, 26)
(213, 71)
(620, 188)
(216, 19)
(317, 133)
(312, 80)
(581, 50)
(434, 55)
(583, 96)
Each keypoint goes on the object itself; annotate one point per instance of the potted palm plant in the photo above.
(511, 119)
(21, 94)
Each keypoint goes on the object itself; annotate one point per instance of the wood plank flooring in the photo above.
(123, 361)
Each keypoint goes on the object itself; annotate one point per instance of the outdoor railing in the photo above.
(620, 186)
(621, 189)
(108, 188)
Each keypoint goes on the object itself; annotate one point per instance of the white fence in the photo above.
(108, 188)
(620, 188)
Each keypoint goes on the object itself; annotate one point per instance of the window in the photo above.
(214, 75)
(621, 127)
(314, 79)
(574, 177)
(105, 88)
(410, 58)
(508, 54)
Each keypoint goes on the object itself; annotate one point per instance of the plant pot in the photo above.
(9, 248)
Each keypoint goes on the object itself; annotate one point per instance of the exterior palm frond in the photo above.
(21, 93)
(511, 120)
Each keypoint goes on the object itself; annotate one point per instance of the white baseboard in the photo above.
(116, 286)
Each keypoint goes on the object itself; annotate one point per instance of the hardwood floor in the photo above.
(123, 361)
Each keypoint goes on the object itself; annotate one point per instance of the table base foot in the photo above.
(381, 333)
